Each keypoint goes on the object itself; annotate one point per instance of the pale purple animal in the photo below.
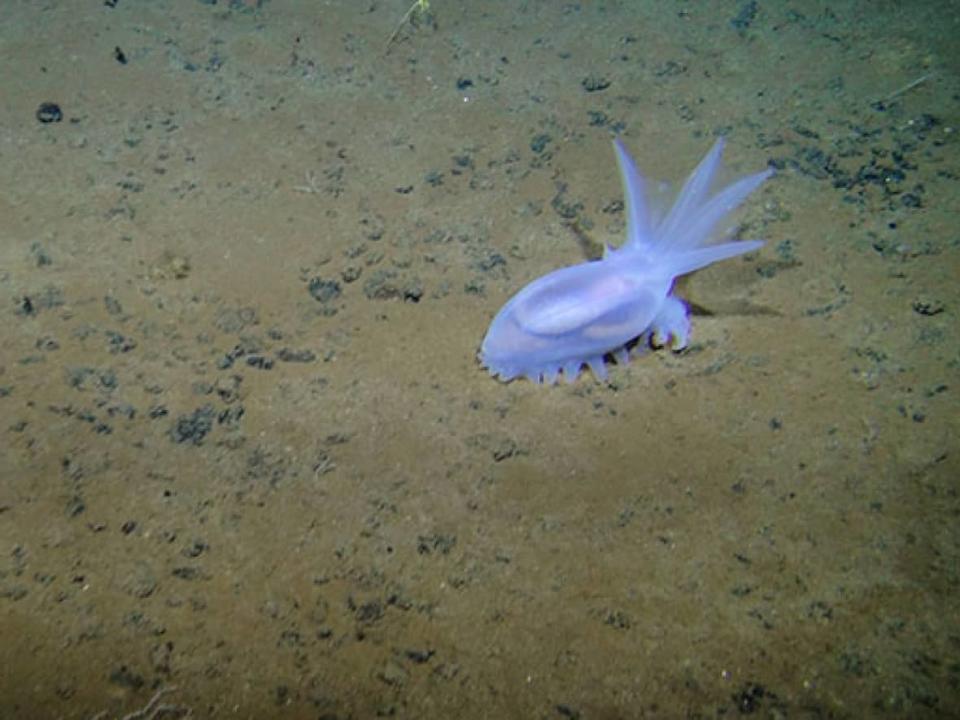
(579, 314)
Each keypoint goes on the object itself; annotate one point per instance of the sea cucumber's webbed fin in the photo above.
(698, 229)
(692, 196)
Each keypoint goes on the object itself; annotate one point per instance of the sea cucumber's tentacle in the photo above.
(671, 326)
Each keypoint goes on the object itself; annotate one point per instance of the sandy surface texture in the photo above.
(251, 468)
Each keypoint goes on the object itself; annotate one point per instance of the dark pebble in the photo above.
(594, 83)
(49, 112)
(301, 356)
(385, 285)
(186, 573)
(749, 699)
(419, 656)
(927, 307)
(193, 428)
(540, 142)
(324, 290)
(260, 362)
(125, 677)
(746, 15)
(231, 416)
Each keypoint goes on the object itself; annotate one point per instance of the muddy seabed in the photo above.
(250, 467)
